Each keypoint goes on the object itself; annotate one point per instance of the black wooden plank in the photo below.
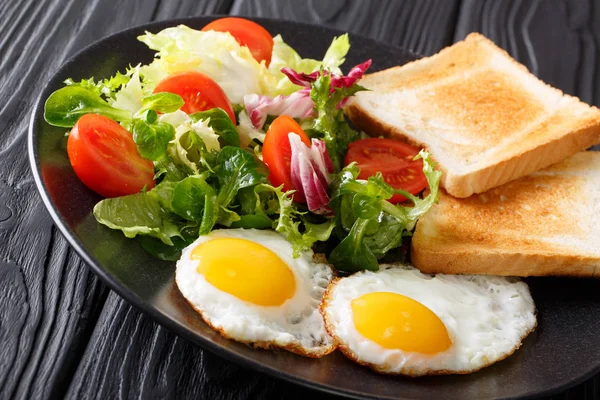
(49, 300)
(557, 40)
(129, 355)
(424, 26)
(187, 8)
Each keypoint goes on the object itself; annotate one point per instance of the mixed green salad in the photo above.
(229, 127)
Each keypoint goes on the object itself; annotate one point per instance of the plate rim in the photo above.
(162, 318)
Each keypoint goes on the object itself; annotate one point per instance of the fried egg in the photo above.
(400, 321)
(246, 284)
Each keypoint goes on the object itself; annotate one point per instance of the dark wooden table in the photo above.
(62, 332)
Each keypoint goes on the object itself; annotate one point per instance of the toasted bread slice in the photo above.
(483, 116)
(547, 223)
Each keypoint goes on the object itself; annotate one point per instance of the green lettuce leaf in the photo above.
(330, 120)
(163, 102)
(189, 151)
(215, 54)
(105, 87)
(65, 106)
(163, 251)
(353, 254)
(290, 222)
(218, 120)
(368, 225)
(254, 209)
(336, 53)
(130, 97)
(140, 214)
(237, 169)
(285, 56)
(152, 139)
(255, 221)
(195, 200)
(168, 171)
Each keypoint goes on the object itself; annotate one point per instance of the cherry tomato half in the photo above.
(277, 152)
(393, 159)
(105, 157)
(247, 33)
(199, 92)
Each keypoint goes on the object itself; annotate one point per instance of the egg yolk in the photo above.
(398, 322)
(246, 270)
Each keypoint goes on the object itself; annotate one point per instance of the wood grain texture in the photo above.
(130, 356)
(49, 300)
(52, 339)
(566, 56)
(424, 26)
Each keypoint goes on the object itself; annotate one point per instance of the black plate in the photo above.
(563, 351)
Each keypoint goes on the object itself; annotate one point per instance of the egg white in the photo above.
(296, 325)
(487, 317)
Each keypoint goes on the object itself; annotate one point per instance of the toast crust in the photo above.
(486, 262)
(561, 130)
(539, 225)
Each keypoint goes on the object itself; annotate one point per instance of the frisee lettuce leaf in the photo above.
(290, 221)
(215, 54)
(330, 120)
(285, 56)
(203, 176)
(105, 87)
(368, 225)
(130, 97)
(189, 151)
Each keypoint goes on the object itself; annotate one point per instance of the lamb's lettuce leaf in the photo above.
(218, 120)
(237, 169)
(195, 200)
(65, 106)
(163, 102)
(152, 138)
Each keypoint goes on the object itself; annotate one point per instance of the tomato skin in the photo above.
(393, 159)
(105, 157)
(277, 152)
(247, 33)
(199, 92)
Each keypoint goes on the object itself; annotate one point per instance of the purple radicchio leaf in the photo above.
(310, 172)
(300, 78)
(296, 105)
(355, 74)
